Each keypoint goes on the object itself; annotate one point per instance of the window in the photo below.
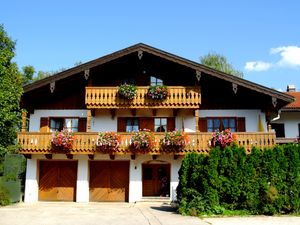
(129, 80)
(218, 124)
(299, 130)
(155, 81)
(57, 124)
(279, 129)
(160, 124)
(132, 124)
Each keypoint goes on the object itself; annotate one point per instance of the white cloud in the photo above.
(289, 58)
(257, 66)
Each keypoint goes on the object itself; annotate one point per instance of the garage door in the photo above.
(109, 181)
(57, 180)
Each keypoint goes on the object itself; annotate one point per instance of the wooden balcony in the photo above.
(108, 97)
(85, 143)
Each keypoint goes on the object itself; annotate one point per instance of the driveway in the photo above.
(61, 213)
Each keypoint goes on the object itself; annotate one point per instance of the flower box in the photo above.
(108, 142)
(127, 91)
(142, 141)
(174, 141)
(223, 138)
(62, 140)
(159, 92)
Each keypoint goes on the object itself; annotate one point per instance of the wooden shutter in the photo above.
(146, 123)
(203, 124)
(82, 124)
(121, 124)
(44, 124)
(241, 124)
(171, 123)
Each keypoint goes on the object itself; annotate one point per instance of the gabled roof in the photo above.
(293, 105)
(167, 56)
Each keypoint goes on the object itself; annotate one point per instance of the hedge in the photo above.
(262, 182)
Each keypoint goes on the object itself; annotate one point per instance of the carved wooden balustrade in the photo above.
(85, 143)
(108, 97)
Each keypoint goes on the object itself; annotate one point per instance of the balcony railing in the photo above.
(108, 97)
(85, 143)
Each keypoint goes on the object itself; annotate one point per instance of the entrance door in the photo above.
(109, 181)
(57, 180)
(156, 180)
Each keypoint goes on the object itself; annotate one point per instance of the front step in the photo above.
(156, 199)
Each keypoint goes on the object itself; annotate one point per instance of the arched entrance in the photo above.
(156, 178)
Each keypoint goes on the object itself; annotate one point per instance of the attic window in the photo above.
(155, 81)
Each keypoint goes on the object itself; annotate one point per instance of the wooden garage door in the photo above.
(109, 181)
(57, 180)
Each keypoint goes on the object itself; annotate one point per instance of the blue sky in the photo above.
(259, 37)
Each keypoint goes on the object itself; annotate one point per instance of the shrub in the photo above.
(4, 195)
(262, 182)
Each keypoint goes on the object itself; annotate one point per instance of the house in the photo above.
(85, 99)
(287, 122)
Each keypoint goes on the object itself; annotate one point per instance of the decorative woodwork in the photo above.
(89, 116)
(69, 156)
(24, 118)
(197, 119)
(112, 156)
(198, 75)
(85, 142)
(91, 156)
(140, 54)
(52, 86)
(86, 74)
(132, 156)
(234, 88)
(107, 97)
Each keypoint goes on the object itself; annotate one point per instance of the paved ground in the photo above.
(118, 213)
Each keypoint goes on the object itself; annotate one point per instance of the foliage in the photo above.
(158, 92)
(128, 91)
(4, 194)
(142, 140)
(226, 180)
(108, 140)
(220, 62)
(63, 139)
(28, 72)
(177, 139)
(223, 138)
(10, 93)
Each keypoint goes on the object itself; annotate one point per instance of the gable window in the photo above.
(132, 124)
(279, 129)
(219, 123)
(57, 124)
(155, 81)
(160, 124)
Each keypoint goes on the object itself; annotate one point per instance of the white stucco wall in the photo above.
(252, 117)
(34, 122)
(291, 121)
(31, 183)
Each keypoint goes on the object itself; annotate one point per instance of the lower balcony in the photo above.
(85, 143)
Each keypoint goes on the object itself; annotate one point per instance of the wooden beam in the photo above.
(69, 156)
(113, 113)
(91, 156)
(88, 121)
(48, 156)
(154, 112)
(133, 156)
(112, 157)
(176, 156)
(27, 156)
(175, 112)
(154, 157)
(24, 120)
(197, 119)
(133, 112)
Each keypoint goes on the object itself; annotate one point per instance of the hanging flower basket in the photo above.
(62, 140)
(127, 91)
(174, 141)
(223, 138)
(159, 92)
(108, 142)
(142, 141)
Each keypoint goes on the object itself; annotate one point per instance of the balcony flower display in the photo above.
(158, 92)
(174, 140)
(142, 140)
(63, 139)
(128, 91)
(223, 138)
(108, 141)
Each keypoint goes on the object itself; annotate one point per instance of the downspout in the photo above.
(277, 117)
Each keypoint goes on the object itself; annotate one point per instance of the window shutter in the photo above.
(82, 124)
(147, 123)
(44, 124)
(203, 124)
(121, 124)
(171, 124)
(241, 124)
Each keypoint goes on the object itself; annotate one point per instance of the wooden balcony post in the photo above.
(24, 118)
(197, 119)
(88, 121)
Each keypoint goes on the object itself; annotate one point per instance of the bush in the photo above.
(4, 195)
(263, 182)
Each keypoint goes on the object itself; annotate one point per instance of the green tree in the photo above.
(11, 82)
(220, 62)
(28, 72)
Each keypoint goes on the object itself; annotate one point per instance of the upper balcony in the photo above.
(85, 143)
(108, 97)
